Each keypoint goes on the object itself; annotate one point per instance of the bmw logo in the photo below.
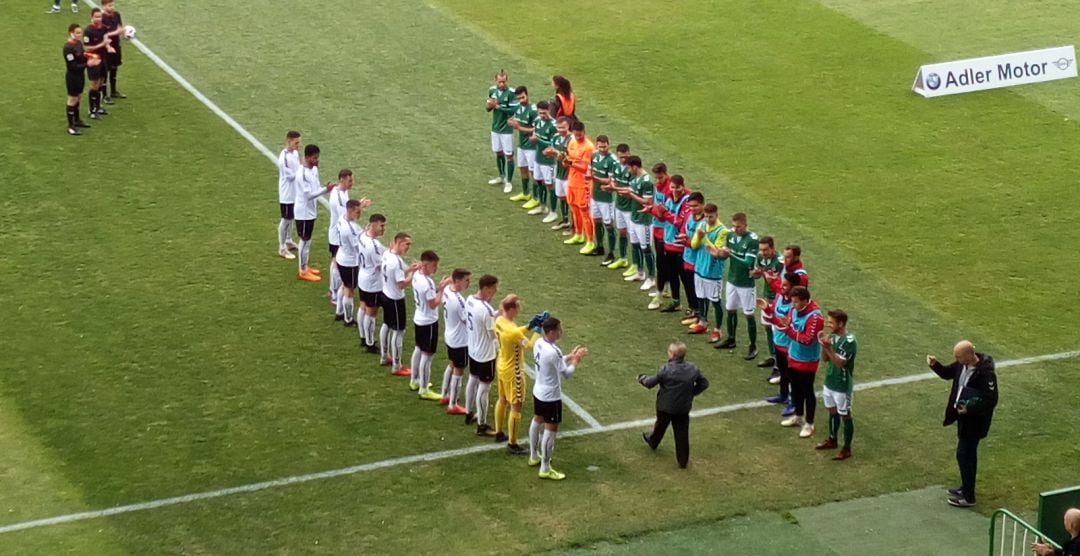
(933, 81)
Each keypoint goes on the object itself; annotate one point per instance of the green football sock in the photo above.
(751, 329)
(624, 242)
(768, 336)
(636, 256)
(599, 233)
(650, 261)
(564, 209)
(553, 201)
(834, 426)
(732, 324)
(718, 306)
(610, 240)
(540, 193)
(525, 184)
(849, 431)
(703, 310)
(509, 170)
(500, 163)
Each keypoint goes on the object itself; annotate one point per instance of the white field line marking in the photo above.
(445, 454)
(577, 409)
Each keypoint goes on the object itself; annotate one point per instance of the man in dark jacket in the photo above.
(1071, 546)
(972, 400)
(679, 382)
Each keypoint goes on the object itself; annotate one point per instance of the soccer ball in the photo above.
(129, 31)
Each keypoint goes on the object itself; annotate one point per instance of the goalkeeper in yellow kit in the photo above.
(514, 342)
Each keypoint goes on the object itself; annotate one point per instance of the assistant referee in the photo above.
(75, 59)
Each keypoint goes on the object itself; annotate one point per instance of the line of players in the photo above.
(487, 342)
(93, 53)
(660, 233)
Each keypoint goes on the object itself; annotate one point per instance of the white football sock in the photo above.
(350, 307)
(534, 439)
(282, 233)
(452, 393)
(445, 389)
(425, 371)
(399, 347)
(384, 341)
(549, 447)
(470, 393)
(415, 366)
(483, 400)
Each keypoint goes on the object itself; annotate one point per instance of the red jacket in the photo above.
(678, 220)
(806, 337)
(798, 268)
(663, 187)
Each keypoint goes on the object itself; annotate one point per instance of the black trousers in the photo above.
(802, 394)
(687, 277)
(663, 272)
(967, 457)
(785, 374)
(680, 422)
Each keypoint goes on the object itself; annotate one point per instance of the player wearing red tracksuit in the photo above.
(804, 353)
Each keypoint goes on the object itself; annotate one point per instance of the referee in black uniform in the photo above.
(115, 25)
(75, 59)
(96, 47)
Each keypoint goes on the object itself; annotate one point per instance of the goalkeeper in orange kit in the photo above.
(578, 159)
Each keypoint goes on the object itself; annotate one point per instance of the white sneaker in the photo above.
(654, 304)
(286, 254)
(508, 187)
(655, 294)
(551, 217)
(647, 285)
(74, 8)
(774, 380)
(54, 10)
(495, 181)
(558, 226)
(633, 277)
(793, 421)
(807, 431)
(537, 210)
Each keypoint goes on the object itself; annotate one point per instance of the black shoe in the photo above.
(673, 308)
(470, 418)
(339, 317)
(648, 440)
(108, 100)
(957, 492)
(610, 258)
(516, 450)
(726, 344)
(751, 354)
(118, 95)
(499, 436)
(767, 364)
(102, 112)
(82, 124)
(484, 430)
(350, 324)
(372, 349)
(961, 502)
(94, 116)
(73, 131)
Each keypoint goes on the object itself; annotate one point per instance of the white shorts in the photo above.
(622, 219)
(839, 400)
(706, 288)
(740, 298)
(502, 142)
(526, 158)
(544, 174)
(604, 212)
(639, 234)
(560, 188)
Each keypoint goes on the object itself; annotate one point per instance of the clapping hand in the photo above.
(365, 202)
(492, 103)
(446, 281)
(578, 353)
(763, 304)
(824, 339)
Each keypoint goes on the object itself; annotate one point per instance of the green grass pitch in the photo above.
(155, 345)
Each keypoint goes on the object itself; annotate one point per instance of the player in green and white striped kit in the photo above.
(741, 251)
(602, 170)
(544, 133)
(502, 104)
(523, 121)
(838, 349)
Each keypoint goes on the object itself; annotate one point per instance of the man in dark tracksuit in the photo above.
(679, 382)
(972, 400)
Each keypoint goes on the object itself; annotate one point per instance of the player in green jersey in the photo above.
(501, 103)
(741, 252)
(544, 132)
(557, 150)
(640, 193)
(768, 262)
(523, 120)
(603, 210)
(838, 350)
(620, 177)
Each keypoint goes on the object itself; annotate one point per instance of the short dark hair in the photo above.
(521, 90)
(711, 208)
(344, 173)
(838, 315)
(634, 160)
(766, 240)
(793, 278)
(602, 139)
(576, 125)
(95, 11)
(487, 281)
(73, 27)
(429, 256)
(311, 150)
(460, 274)
(739, 217)
(543, 105)
(622, 148)
(696, 196)
(401, 235)
(353, 203)
(659, 168)
(549, 324)
(292, 135)
(795, 249)
(377, 217)
(564, 120)
(678, 179)
(800, 292)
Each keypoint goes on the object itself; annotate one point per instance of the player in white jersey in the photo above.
(482, 347)
(457, 340)
(370, 283)
(309, 189)
(428, 296)
(338, 198)
(551, 368)
(397, 275)
(288, 172)
(347, 258)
